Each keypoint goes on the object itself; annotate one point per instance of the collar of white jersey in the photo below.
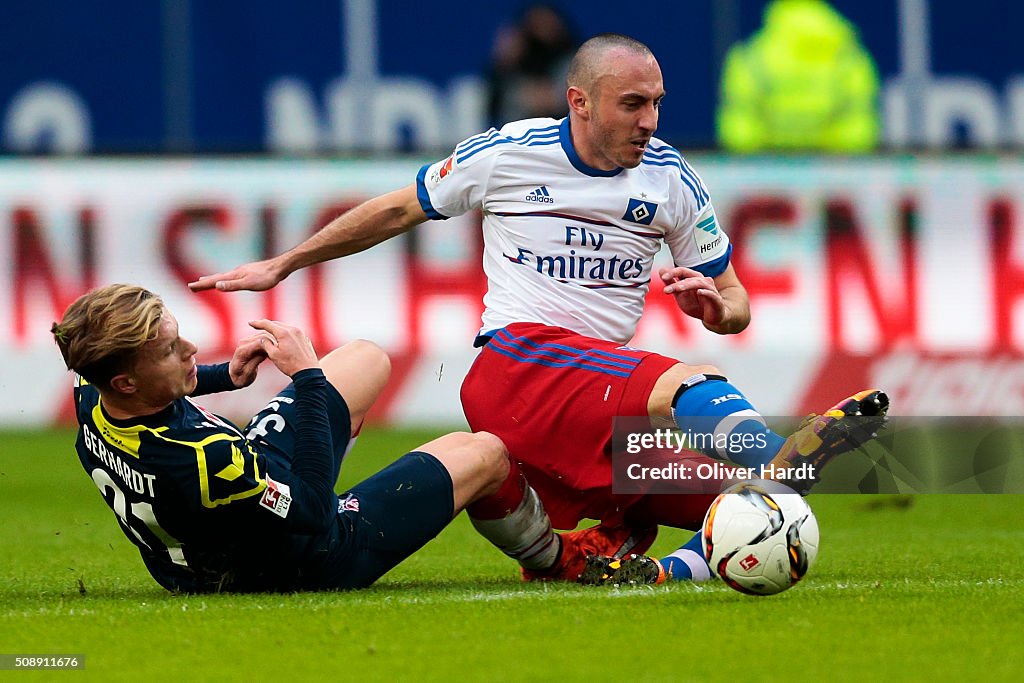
(565, 137)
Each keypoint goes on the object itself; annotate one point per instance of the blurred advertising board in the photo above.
(903, 273)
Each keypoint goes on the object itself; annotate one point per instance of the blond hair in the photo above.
(103, 330)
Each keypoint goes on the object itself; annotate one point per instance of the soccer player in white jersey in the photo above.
(574, 212)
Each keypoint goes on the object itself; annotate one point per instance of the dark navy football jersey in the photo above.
(209, 508)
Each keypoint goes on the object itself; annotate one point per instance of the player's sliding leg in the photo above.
(396, 511)
(358, 370)
(512, 517)
(504, 509)
(393, 513)
(704, 403)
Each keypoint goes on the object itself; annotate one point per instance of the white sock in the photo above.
(525, 534)
(699, 570)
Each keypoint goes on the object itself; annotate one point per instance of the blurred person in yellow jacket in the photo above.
(803, 82)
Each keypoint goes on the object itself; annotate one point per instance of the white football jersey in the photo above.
(566, 244)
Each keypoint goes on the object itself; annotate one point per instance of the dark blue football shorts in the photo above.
(383, 519)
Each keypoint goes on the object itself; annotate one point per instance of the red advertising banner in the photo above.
(899, 273)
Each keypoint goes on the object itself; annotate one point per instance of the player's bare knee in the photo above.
(357, 351)
(660, 402)
(681, 372)
(492, 456)
(478, 463)
(493, 453)
(481, 455)
(359, 370)
(454, 447)
(491, 445)
(369, 357)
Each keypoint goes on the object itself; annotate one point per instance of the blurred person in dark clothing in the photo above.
(526, 78)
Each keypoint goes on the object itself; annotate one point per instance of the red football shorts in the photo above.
(551, 395)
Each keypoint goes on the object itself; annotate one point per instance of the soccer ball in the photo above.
(760, 537)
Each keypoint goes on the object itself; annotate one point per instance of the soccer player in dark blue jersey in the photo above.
(215, 508)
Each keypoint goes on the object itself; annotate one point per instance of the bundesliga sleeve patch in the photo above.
(277, 498)
(707, 234)
(441, 170)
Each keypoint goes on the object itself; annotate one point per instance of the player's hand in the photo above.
(256, 276)
(696, 295)
(245, 362)
(286, 346)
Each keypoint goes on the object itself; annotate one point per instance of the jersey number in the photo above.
(136, 515)
(269, 421)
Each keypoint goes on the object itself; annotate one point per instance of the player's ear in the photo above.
(123, 384)
(579, 102)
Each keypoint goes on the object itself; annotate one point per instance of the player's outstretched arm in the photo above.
(364, 226)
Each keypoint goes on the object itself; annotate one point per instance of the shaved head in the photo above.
(614, 94)
(588, 65)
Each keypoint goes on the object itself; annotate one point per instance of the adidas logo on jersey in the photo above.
(540, 195)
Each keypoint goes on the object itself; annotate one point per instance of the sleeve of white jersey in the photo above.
(458, 183)
(697, 240)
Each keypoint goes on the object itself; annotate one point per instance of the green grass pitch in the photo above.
(930, 590)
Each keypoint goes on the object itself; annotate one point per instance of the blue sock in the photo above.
(724, 424)
(687, 563)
